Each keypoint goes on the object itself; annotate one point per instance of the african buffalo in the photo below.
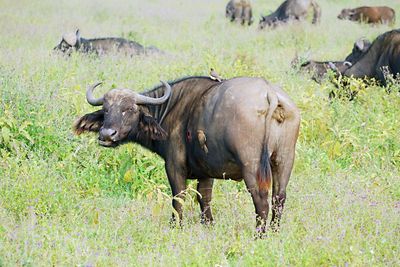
(241, 128)
(374, 15)
(74, 42)
(382, 56)
(240, 11)
(291, 10)
(319, 69)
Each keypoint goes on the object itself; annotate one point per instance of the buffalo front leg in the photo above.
(204, 187)
(259, 194)
(177, 180)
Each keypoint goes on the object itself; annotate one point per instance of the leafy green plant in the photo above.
(14, 137)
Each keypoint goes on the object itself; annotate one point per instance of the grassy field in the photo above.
(65, 201)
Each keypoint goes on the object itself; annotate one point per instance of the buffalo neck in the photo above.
(84, 44)
(173, 114)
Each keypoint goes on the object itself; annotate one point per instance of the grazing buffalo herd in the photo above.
(206, 127)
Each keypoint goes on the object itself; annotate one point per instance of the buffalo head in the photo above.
(124, 116)
(360, 47)
(268, 22)
(69, 42)
(230, 11)
(340, 67)
(346, 13)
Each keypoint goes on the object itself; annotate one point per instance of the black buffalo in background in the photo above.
(74, 42)
(291, 10)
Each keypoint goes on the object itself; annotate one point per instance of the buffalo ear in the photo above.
(150, 127)
(90, 122)
(360, 44)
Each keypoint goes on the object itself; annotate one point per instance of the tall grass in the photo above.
(66, 201)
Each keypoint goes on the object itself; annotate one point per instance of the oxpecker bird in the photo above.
(214, 75)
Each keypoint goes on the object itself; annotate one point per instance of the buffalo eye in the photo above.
(132, 109)
(129, 110)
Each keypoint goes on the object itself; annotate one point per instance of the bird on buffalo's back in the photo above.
(215, 76)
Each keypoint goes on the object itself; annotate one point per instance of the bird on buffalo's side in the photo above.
(202, 140)
(215, 76)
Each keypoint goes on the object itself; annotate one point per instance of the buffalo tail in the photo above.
(264, 172)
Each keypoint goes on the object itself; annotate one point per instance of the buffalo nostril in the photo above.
(107, 134)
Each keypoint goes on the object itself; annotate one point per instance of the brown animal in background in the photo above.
(239, 129)
(239, 11)
(374, 15)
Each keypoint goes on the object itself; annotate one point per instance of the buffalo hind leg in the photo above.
(281, 170)
(239, 14)
(247, 16)
(204, 187)
(260, 201)
(177, 180)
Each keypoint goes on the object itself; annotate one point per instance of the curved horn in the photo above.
(89, 96)
(347, 63)
(141, 99)
(332, 66)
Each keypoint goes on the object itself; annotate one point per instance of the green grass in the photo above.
(66, 201)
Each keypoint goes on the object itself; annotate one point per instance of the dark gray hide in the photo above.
(241, 128)
(291, 10)
(73, 42)
(239, 11)
(383, 54)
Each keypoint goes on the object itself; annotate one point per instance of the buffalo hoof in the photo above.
(207, 222)
(274, 228)
(260, 233)
(175, 223)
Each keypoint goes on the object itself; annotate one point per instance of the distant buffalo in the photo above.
(382, 58)
(74, 42)
(240, 11)
(374, 15)
(291, 10)
(319, 69)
